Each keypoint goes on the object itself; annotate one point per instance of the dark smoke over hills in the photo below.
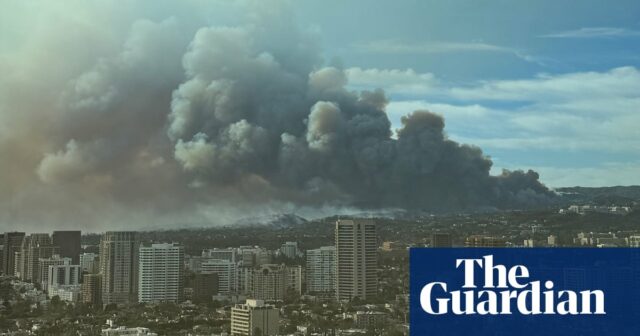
(204, 124)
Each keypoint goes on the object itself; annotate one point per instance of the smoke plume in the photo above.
(178, 119)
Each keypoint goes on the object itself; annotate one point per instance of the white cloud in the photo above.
(438, 47)
(623, 82)
(594, 32)
(392, 80)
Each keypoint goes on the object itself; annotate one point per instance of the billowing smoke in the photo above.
(185, 122)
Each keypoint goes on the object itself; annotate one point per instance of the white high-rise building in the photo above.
(321, 271)
(161, 273)
(119, 267)
(226, 271)
(254, 318)
(356, 259)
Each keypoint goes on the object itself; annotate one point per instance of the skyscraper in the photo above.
(321, 271)
(12, 242)
(69, 243)
(356, 259)
(119, 267)
(161, 273)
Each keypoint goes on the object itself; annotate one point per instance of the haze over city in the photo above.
(158, 114)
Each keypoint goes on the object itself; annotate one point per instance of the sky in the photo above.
(118, 114)
(551, 85)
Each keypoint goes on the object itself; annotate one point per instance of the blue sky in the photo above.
(549, 85)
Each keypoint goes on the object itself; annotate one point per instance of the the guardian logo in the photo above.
(506, 291)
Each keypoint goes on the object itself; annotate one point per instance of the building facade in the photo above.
(12, 243)
(161, 273)
(356, 244)
(69, 244)
(269, 282)
(254, 318)
(92, 289)
(321, 270)
(119, 267)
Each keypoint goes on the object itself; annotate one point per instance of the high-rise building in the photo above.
(293, 279)
(161, 273)
(269, 282)
(34, 247)
(441, 239)
(63, 275)
(89, 263)
(356, 259)
(12, 243)
(69, 243)
(119, 267)
(226, 271)
(205, 286)
(44, 264)
(289, 250)
(91, 289)
(254, 318)
(321, 271)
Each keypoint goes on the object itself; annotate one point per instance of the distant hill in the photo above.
(618, 195)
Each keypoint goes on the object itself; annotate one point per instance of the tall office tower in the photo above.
(89, 263)
(269, 282)
(356, 259)
(205, 286)
(161, 273)
(11, 242)
(34, 247)
(69, 243)
(119, 267)
(91, 289)
(289, 250)
(441, 239)
(226, 271)
(321, 272)
(254, 318)
(44, 264)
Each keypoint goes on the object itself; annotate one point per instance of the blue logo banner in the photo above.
(526, 291)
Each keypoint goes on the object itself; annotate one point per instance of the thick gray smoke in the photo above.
(188, 122)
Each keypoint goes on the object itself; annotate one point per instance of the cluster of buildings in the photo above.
(127, 271)
(50, 262)
(585, 209)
